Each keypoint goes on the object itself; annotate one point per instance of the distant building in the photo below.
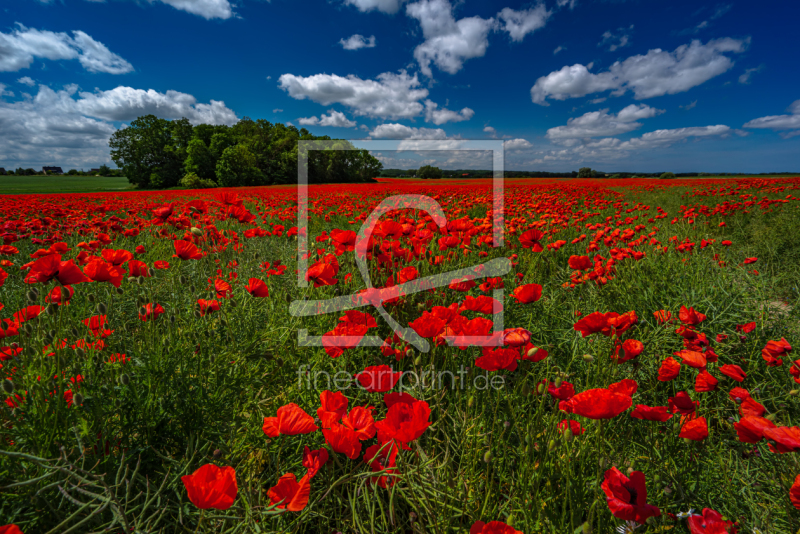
(94, 170)
(52, 170)
(2, 170)
(465, 174)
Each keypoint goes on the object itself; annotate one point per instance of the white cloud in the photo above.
(653, 74)
(689, 106)
(386, 6)
(277, 110)
(745, 77)
(19, 49)
(440, 116)
(391, 96)
(4, 92)
(448, 42)
(336, 119)
(518, 24)
(780, 122)
(401, 131)
(516, 144)
(559, 49)
(570, 3)
(616, 41)
(354, 42)
(491, 131)
(601, 124)
(127, 103)
(208, 9)
(27, 80)
(663, 138)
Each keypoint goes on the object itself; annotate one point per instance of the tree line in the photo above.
(159, 153)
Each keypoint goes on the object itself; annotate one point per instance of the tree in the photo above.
(667, 176)
(237, 167)
(105, 170)
(586, 172)
(200, 160)
(429, 172)
(146, 150)
(72, 172)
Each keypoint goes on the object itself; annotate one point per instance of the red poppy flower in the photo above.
(750, 406)
(314, 460)
(116, 257)
(631, 348)
(334, 407)
(531, 239)
(794, 493)
(359, 318)
(160, 264)
(10, 529)
(648, 413)
(100, 271)
(289, 494)
(257, 288)
(705, 382)
(51, 267)
(482, 304)
(750, 429)
(343, 440)
(574, 427)
(738, 394)
(682, 404)
(516, 337)
(773, 350)
(3, 276)
(138, 268)
(692, 358)
(186, 250)
(564, 392)
(627, 497)
(378, 378)
(290, 421)
(689, 316)
(407, 274)
(97, 325)
(580, 263)
(695, 430)
(211, 487)
(344, 336)
(207, 306)
(663, 316)
(600, 403)
(733, 371)
(710, 522)
(382, 457)
(669, 369)
(525, 294)
(592, 323)
(360, 421)
(28, 313)
(493, 527)
(321, 274)
(151, 311)
(783, 438)
(406, 420)
(746, 328)
(498, 359)
(462, 284)
(427, 326)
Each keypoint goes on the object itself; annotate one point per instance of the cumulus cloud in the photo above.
(489, 130)
(516, 144)
(277, 110)
(602, 124)
(354, 42)
(518, 24)
(440, 116)
(391, 96)
(336, 119)
(569, 3)
(27, 80)
(745, 77)
(616, 40)
(386, 6)
(653, 74)
(401, 131)
(71, 128)
(208, 9)
(780, 122)
(448, 42)
(4, 91)
(20, 47)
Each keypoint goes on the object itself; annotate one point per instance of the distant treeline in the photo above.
(158, 153)
(473, 173)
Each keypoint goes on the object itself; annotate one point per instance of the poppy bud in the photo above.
(586, 528)
(131, 279)
(793, 392)
(676, 427)
(125, 379)
(532, 352)
(557, 382)
(197, 313)
(183, 280)
(418, 360)
(506, 424)
(74, 332)
(526, 389)
(602, 463)
(140, 280)
(540, 389)
(568, 435)
(471, 402)
(142, 311)
(630, 471)
(551, 445)
(151, 272)
(197, 232)
(32, 296)
(120, 291)
(771, 417)
(102, 309)
(510, 521)
(80, 352)
(28, 329)
(172, 318)
(77, 399)
(52, 308)
(91, 298)
(233, 304)
(8, 386)
(217, 454)
(588, 358)
(487, 457)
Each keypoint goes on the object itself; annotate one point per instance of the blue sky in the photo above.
(633, 85)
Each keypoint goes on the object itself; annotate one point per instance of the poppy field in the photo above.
(643, 378)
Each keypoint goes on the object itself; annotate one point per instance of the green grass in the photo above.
(23, 185)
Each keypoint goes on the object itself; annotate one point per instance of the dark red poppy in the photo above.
(580, 263)
(289, 494)
(427, 326)
(498, 359)
(378, 378)
(290, 421)
(738, 394)
(482, 304)
(257, 288)
(525, 294)
(52, 268)
(631, 348)
(794, 493)
(211, 487)
(600, 403)
(27, 313)
(314, 460)
(10, 529)
(532, 240)
(492, 527)
(574, 427)
(648, 413)
(750, 406)
(710, 522)
(100, 271)
(682, 404)
(207, 306)
(151, 311)
(774, 350)
(750, 429)
(695, 430)
(783, 439)
(138, 268)
(186, 250)
(627, 497)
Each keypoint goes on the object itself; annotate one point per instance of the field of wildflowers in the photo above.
(642, 380)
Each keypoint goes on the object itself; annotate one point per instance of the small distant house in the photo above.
(465, 174)
(52, 170)
(94, 170)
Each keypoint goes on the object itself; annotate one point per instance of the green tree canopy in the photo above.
(429, 172)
